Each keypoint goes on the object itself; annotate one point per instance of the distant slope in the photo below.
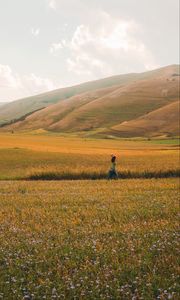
(163, 121)
(105, 110)
(123, 104)
(50, 115)
(17, 109)
(22, 107)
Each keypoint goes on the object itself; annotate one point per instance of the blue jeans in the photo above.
(112, 174)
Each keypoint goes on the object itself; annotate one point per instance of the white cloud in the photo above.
(55, 47)
(52, 4)
(118, 37)
(14, 86)
(35, 31)
(107, 47)
(78, 64)
(7, 78)
(37, 84)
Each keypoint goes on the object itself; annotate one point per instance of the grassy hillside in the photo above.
(46, 117)
(163, 121)
(123, 104)
(106, 109)
(19, 108)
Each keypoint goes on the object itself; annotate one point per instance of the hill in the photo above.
(161, 122)
(21, 108)
(133, 102)
(123, 104)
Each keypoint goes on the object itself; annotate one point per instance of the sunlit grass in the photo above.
(24, 164)
(89, 240)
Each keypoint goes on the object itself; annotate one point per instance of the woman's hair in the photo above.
(113, 158)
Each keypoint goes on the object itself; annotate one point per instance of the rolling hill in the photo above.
(160, 122)
(21, 108)
(143, 104)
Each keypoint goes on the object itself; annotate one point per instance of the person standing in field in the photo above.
(112, 172)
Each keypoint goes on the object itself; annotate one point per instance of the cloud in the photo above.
(13, 86)
(52, 4)
(109, 46)
(7, 78)
(36, 84)
(55, 47)
(35, 31)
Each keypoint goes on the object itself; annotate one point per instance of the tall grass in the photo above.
(101, 175)
(33, 165)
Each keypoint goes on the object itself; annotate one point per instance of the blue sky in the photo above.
(47, 44)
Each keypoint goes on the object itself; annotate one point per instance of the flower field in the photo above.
(89, 239)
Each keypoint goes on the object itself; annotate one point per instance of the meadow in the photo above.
(57, 157)
(87, 239)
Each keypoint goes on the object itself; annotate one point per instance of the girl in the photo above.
(112, 172)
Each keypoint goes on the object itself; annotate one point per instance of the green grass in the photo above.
(174, 141)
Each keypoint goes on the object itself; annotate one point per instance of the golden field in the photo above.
(22, 156)
(85, 239)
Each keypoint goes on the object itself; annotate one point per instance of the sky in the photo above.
(49, 44)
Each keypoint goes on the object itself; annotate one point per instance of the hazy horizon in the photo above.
(49, 44)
